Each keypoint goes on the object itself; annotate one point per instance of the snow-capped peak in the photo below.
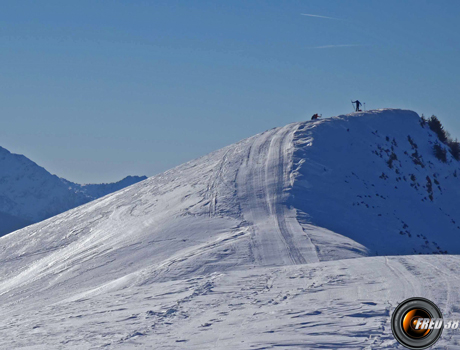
(29, 193)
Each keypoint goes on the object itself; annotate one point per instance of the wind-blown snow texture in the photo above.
(259, 245)
(29, 193)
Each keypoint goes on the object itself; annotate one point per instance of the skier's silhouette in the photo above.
(358, 104)
(315, 116)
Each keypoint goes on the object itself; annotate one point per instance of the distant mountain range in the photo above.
(29, 193)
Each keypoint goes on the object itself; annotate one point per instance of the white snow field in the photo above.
(269, 243)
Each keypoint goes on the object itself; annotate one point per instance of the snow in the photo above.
(344, 183)
(259, 245)
(29, 193)
(343, 304)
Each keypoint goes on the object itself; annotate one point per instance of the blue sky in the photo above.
(96, 90)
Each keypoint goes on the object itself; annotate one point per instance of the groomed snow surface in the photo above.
(275, 242)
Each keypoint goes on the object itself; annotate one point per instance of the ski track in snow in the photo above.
(263, 192)
(237, 249)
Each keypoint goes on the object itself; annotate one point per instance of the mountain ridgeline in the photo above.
(376, 178)
(197, 257)
(29, 193)
(343, 187)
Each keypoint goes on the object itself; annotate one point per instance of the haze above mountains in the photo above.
(272, 242)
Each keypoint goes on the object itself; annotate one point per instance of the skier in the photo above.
(358, 104)
(315, 116)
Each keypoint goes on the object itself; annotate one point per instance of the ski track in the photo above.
(278, 156)
(218, 254)
(263, 190)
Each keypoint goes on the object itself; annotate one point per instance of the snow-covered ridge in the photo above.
(249, 242)
(373, 177)
(29, 193)
(306, 192)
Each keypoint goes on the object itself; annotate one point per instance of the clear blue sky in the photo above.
(96, 90)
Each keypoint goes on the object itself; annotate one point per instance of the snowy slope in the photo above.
(209, 234)
(29, 193)
(291, 195)
(343, 304)
(345, 183)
